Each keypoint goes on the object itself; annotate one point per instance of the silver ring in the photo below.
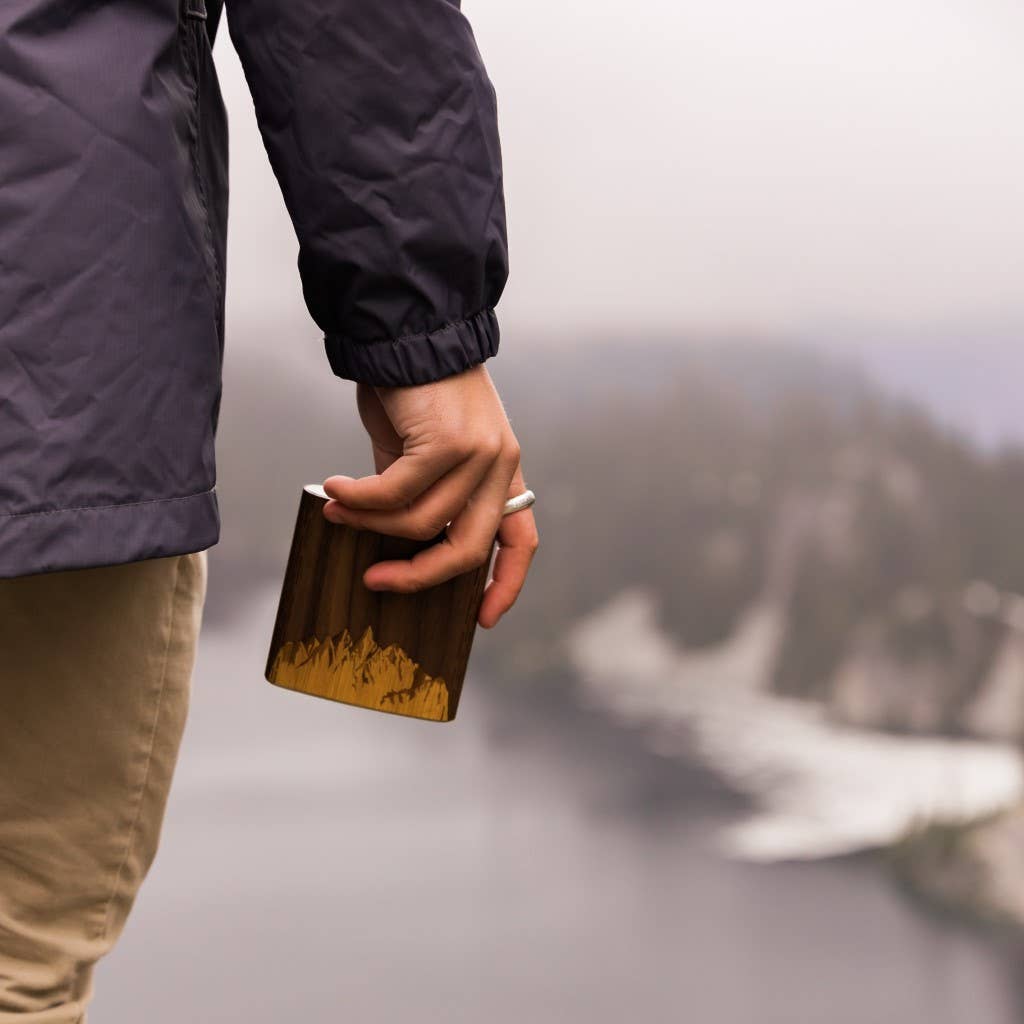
(519, 502)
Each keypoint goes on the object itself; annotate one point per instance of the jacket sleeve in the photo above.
(381, 126)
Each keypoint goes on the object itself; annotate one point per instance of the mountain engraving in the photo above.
(362, 672)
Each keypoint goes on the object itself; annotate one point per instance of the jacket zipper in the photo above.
(195, 16)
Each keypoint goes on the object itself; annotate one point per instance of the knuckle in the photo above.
(396, 495)
(475, 557)
(412, 584)
(400, 529)
(490, 446)
(424, 529)
(512, 452)
(457, 443)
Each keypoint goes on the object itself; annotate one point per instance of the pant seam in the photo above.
(140, 795)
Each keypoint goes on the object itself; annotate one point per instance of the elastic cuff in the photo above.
(415, 358)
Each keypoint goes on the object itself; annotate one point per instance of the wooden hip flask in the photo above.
(335, 638)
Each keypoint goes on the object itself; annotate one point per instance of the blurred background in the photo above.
(748, 747)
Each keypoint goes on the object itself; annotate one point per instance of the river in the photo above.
(323, 863)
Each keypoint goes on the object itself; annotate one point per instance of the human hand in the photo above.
(445, 455)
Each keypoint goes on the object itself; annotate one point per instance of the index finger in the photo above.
(398, 485)
(468, 543)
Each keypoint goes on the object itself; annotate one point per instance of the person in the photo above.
(380, 123)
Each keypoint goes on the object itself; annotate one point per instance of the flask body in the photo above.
(335, 638)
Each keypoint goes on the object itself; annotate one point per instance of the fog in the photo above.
(786, 168)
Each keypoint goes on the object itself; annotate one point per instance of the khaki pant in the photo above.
(95, 675)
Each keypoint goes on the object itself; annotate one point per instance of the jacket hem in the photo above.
(415, 358)
(55, 540)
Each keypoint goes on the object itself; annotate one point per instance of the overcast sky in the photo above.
(726, 164)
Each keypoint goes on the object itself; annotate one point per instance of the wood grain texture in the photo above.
(333, 637)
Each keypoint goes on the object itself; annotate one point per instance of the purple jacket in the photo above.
(381, 127)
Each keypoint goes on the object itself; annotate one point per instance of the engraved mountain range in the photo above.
(361, 672)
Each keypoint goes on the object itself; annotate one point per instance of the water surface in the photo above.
(321, 863)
